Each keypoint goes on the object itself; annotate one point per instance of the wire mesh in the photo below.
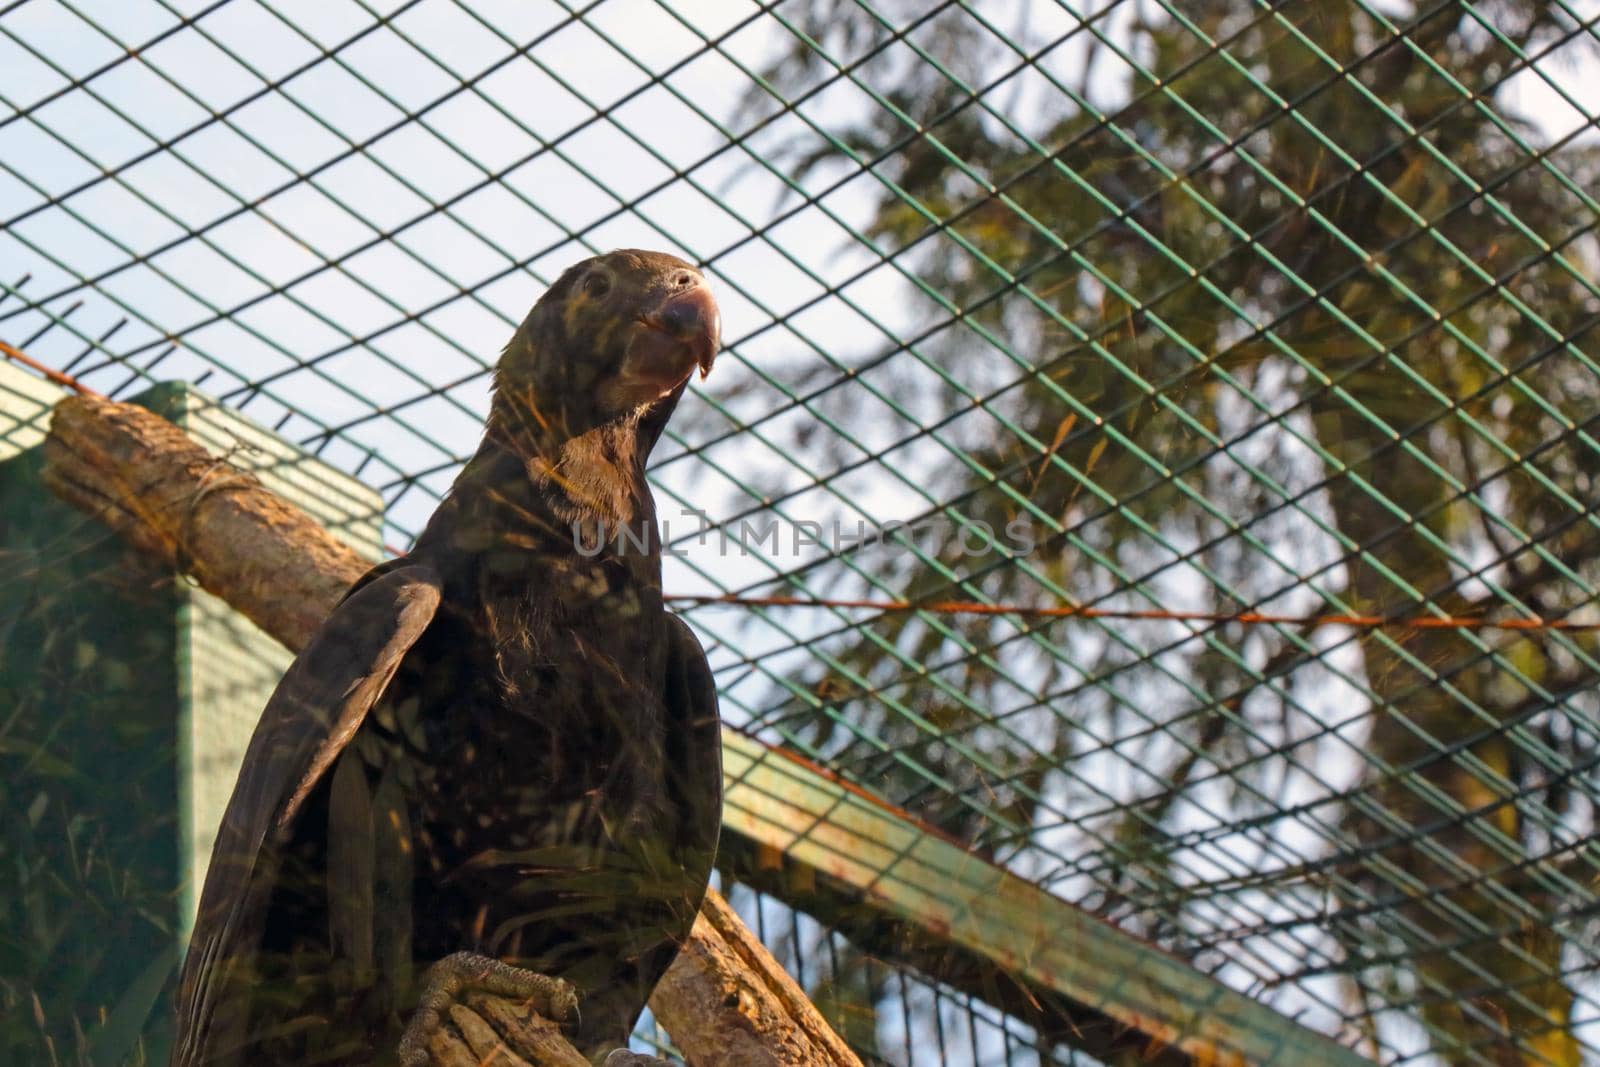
(1253, 333)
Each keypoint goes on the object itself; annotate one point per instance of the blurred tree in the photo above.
(1305, 323)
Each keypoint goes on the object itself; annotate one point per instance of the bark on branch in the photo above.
(725, 1000)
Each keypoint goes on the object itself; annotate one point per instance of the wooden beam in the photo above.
(1118, 991)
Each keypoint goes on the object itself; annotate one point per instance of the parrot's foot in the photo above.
(623, 1058)
(466, 972)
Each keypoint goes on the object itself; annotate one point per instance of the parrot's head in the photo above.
(615, 339)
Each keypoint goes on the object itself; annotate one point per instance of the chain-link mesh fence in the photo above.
(1154, 447)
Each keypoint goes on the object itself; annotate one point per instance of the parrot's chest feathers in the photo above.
(592, 479)
(568, 622)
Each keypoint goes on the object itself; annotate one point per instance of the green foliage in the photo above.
(88, 849)
(1302, 323)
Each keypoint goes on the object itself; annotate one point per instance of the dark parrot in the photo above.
(499, 746)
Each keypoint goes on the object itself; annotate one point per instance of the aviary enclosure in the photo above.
(1142, 524)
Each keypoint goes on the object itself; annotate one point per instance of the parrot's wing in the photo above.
(692, 761)
(694, 741)
(313, 714)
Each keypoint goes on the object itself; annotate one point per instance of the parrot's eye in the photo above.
(597, 283)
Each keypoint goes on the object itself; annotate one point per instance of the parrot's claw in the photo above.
(463, 972)
(623, 1058)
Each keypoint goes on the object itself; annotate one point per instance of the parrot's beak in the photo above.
(680, 333)
(692, 319)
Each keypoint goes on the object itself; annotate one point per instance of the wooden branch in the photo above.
(725, 1001)
(490, 1031)
(197, 513)
(763, 1019)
